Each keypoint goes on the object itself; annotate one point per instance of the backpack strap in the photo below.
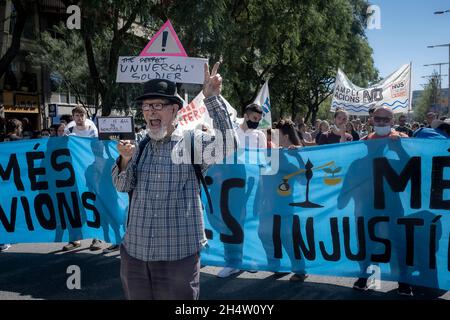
(141, 147)
(71, 129)
(198, 172)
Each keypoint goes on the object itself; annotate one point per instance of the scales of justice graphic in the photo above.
(284, 189)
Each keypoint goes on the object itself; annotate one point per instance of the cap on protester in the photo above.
(161, 88)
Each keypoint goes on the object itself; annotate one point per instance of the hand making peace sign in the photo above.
(212, 86)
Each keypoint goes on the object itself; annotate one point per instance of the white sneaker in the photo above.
(4, 247)
(226, 272)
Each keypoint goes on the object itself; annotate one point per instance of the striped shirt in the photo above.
(166, 214)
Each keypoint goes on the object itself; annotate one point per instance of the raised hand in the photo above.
(126, 149)
(342, 130)
(212, 86)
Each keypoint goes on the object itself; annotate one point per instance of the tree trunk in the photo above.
(13, 50)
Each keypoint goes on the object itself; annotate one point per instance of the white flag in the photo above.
(392, 92)
(263, 99)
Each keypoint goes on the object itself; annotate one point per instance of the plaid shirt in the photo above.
(166, 212)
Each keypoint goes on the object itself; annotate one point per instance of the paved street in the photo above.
(38, 271)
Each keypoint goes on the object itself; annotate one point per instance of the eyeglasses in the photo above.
(382, 119)
(154, 106)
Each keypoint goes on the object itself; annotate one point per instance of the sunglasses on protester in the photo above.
(382, 119)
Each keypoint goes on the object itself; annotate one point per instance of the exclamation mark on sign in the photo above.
(164, 40)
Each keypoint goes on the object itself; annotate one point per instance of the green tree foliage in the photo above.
(324, 110)
(87, 58)
(65, 57)
(296, 45)
(429, 97)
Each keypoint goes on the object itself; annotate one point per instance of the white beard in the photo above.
(158, 135)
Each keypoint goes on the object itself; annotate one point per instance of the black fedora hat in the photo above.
(161, 88)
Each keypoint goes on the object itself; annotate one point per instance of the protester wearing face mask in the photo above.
(249, 138)
(45, 133)
(248, 134)
(383, 120)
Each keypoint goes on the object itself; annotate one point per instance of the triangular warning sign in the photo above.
(164, 43)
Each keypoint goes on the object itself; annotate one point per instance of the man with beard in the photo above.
(160, 252)
(402, 127)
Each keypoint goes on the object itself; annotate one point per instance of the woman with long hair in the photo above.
(324, 126)
(351, 130)
(288, 137)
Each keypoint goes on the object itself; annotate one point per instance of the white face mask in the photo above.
(382, 131)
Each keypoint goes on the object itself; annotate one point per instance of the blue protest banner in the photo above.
(59, 189)
(345, 210)
(342, 210)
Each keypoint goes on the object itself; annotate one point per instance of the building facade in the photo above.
(28, 90)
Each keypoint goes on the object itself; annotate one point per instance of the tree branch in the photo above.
(92, 66)
(119, 34)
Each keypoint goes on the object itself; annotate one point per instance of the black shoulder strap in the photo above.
(141, 147)
(71, 129)
(198, 171)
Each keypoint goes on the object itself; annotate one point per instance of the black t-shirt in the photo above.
(405, 130)
(355, 135)
(330, 138)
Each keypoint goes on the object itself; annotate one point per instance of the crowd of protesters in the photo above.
(344, 129)
(76, 124)
(380, 124)
(15, 129)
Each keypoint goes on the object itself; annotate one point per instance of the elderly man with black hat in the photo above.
(165, 229)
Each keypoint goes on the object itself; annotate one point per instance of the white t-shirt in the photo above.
(251, 138)
(89, 132)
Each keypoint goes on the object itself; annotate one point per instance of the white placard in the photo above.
(115, 124)
(176, 69)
